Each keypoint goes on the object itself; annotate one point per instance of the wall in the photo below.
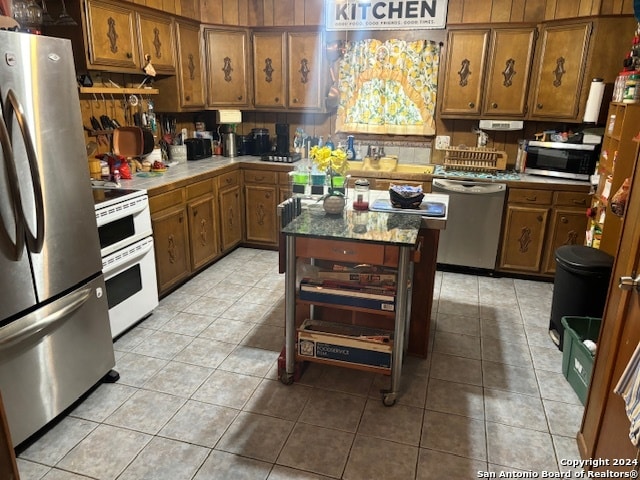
(310, 12)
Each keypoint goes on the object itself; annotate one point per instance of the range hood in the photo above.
(501, 125)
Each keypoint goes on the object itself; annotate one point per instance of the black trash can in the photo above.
(580, 286)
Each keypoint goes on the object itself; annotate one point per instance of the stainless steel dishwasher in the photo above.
(474, 219)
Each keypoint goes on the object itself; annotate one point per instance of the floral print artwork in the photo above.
(388, 87)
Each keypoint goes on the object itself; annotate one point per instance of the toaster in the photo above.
(198, 148)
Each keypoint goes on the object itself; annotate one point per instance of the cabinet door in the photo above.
(261, 202)
(111, 36)
(157, 42)
(507, 78)
(226, 60)
(463, 72)
(304, 70)
(567, 227)
(230, 217)
(203, 234)
(268, 69)
(523, 239)
(170, 234)
(561, 65)
(191, 80)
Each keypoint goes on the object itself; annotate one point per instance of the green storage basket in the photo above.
(577, 360)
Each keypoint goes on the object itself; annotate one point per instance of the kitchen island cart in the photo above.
(373, 238)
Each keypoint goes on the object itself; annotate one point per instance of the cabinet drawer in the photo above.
(229, 179)
(166, 200)
(572, 199)
(339, 251)
(526, 195)
(200, 188)
(260, 176)
(283, 178)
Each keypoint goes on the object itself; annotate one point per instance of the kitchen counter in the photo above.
(186, 172)
(189, 171)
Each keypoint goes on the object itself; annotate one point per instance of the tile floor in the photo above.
(198, 396)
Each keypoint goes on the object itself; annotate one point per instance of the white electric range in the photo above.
(128, 259)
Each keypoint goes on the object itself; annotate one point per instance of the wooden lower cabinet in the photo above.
(230, 217)
(263, 191)
(203, 228)
(536, 223)
(171, 238)
(523, 238)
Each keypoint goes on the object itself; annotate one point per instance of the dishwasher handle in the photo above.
(474, 188)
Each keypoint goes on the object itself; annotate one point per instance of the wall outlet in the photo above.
(442, 142)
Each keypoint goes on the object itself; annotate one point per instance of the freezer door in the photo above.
(52, 356)
(39, 93)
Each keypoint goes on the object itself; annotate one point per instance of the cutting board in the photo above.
(426, 209)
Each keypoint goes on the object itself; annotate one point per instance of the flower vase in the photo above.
(333, 204)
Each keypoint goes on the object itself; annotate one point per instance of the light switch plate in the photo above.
(442, 142)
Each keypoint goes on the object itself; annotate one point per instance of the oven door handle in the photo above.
(27, 327)
(126, 256)
(104, 216)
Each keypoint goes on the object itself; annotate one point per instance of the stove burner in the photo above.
(274, 157)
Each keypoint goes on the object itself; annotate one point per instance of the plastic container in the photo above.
(577, 359)
(580, 286)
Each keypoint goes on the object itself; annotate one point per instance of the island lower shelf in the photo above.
(332, 343)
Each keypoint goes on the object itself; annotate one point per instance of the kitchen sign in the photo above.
(385, 15)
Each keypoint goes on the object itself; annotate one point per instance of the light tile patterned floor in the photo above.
(199, 398)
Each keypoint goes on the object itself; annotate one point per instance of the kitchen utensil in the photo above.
(95, 123)
(128, 141)
(333, 96)
(148, 142)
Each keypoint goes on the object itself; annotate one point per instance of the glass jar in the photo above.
(361, 194)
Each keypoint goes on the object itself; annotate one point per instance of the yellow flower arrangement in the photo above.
(331, 161)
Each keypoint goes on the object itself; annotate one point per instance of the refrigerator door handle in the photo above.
(34, 242)
(10, 167)
(30, 325)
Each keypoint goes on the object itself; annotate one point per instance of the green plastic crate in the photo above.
(577, 360)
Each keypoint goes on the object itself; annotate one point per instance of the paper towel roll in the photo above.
(594, 100)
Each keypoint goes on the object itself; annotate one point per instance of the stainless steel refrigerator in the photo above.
(55, 339)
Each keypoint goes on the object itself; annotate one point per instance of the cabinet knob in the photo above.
(240, 97)
(539, 218)
(187, 98)
(472, 105)
(494, 105)
(564, 220)
(276, 99)
(539, 106)
(295, 100)
(129, 55)
(531, 199)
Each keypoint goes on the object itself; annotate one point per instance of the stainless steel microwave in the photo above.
(575, 161)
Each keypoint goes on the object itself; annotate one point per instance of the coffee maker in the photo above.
(282, 139)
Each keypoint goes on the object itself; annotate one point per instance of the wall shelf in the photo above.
(119, 91)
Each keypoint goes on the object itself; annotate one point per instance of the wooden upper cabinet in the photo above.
(191, 80)
(508, 72)
(157, 42)
(463, 72)
(226, 61)
(269, 79)
(304, 51)
(560, 69)
(111, 36)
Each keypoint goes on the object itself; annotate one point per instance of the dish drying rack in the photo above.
(475, 159)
